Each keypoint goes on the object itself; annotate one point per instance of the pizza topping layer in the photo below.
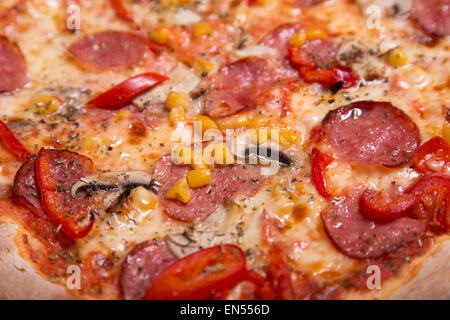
(371, 133)
(142, 266)
(110, 50)
(359, 237)
(226, 182)
(13, 66)
(343, 104)
(432, 16)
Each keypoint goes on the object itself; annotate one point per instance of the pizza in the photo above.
(236, 149)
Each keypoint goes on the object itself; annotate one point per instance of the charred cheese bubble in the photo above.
(202, 29)
(180, 191)
(45, 103)
(199, 178)
(397, 58)
(160, 35)
(298, 39)
(315, 34)
(143, 199)
(176, 116)
(203, 67)
(233, 122)
(177, 100)
(207, 123)
(446, 132)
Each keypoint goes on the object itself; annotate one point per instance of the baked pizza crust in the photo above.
(427, 277)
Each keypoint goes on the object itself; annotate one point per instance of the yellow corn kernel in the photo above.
(202, 29)
(199, 178)
(446, 132)
(143, 199)
(288, 137)
(45, 103)
(180, 191)
(397, 58)
(207, 123)
(176, 116)
(177, 99)
(183, 155)
(260, 121)
(315, 34)
(222, 155)
(160, 35)
(202, 67)
(298, 39)
(233, 122)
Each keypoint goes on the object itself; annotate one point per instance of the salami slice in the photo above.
(142, 266)
(26, 187)
(323, 53)
(433, 16)
(372, 133)
(226, 182)
(109, 50)
(237, 85)
(358, 237)
(13, 68)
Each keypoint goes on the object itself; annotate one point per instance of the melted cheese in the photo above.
(44, 44)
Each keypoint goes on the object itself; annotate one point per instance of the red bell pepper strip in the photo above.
(379, 207)
(200, 275)
(320, 162)
(123, 93)
(432, 194)
(433, 156)
(121, 11)
(264, 288)
(12, 144)
(71, 215)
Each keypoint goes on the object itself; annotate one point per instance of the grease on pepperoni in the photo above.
(13, 68)
(142, 266)
(372, 133)
(226, 182)
(109, 50)
(433, 16)
(361, 238)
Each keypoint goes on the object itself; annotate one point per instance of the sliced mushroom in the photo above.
(118, 185)
(181, 244)
(263, 154)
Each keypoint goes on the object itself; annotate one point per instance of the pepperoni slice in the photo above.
(142, 266)
(279, 38)
(358, 237)
(26, 187)
(237, 85)
(432, 16)
(56, 172)
(372, 133)
(109, 50)
(13, 68)
(226, 182)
